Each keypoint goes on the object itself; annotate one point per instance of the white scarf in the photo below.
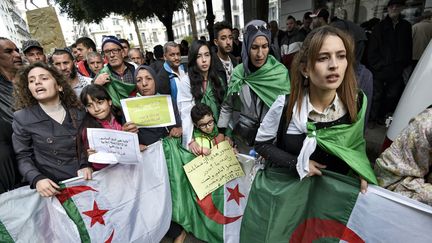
(297, 125)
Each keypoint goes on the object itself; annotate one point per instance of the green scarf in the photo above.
(268, 82)
(346, 141)
(210, 100)
(117, 89)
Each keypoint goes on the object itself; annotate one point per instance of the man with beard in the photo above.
(33, 51)
(223, 62)
(64, 62)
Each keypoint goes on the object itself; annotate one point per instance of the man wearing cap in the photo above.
(422, 34)
(117, 67)
(33, 51)
(389, 53)
(320, 18)
(84, 45)
(63, 61)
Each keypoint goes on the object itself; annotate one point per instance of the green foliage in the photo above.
(96, 10)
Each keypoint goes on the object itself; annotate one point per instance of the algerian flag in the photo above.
(122, 203)
(329, 208)
(25, 216)
(218, 216)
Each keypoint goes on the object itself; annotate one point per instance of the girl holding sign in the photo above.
(99, 115)
(44, 129)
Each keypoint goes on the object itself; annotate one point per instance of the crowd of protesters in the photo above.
(258, 93)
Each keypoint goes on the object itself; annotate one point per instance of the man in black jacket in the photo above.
(223, 62)
(389, 53)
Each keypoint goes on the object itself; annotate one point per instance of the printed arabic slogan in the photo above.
(113, 146)
(208, 173)
(149, 111)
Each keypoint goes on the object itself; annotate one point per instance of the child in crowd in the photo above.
(205, 131)
(100, 114)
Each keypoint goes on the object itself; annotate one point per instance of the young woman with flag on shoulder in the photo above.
(321, 125)
(254, 86)
(206, 86)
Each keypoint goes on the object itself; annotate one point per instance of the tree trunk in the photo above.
(227, 10)
(192, 19)
(210, 20)
(167, 22)
(262, 9)
(138, 34)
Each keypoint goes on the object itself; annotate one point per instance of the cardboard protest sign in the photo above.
(207, 173)
(149, 111)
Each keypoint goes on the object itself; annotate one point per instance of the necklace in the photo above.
(56, 112)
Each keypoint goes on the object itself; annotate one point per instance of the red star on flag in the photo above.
(235, 194)
(96, 214)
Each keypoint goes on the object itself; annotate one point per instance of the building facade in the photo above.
(12, 25)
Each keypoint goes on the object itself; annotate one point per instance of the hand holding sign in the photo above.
(113, 146)
(149, 111)
(207, 173)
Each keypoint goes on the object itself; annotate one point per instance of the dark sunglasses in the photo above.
(256, 28)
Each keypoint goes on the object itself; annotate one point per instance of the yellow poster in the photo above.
(149, 111)
(208, 173)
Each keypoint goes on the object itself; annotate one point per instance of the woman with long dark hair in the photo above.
(206, 86)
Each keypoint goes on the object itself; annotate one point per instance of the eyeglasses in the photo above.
(113, 51)
(206, 125)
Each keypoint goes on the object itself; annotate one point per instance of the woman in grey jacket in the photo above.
(45, 128)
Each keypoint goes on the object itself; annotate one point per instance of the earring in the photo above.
(306, 81)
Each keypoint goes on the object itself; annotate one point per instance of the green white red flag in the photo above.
(218, 216)
(122, 203)
(329, 208)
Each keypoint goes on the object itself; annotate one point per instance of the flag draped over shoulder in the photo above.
(347, 142)
(117, 89)
(215, 218)
(283, 209)
(268, 82)
(122, 203)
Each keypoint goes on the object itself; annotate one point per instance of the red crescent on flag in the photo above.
(69, 192)
(210, 210)
(109, 240)
(313, 229)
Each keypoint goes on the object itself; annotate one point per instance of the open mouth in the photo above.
(40, 90)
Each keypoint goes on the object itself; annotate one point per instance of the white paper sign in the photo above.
(113, 146)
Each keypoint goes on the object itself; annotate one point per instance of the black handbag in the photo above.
(246, 128)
